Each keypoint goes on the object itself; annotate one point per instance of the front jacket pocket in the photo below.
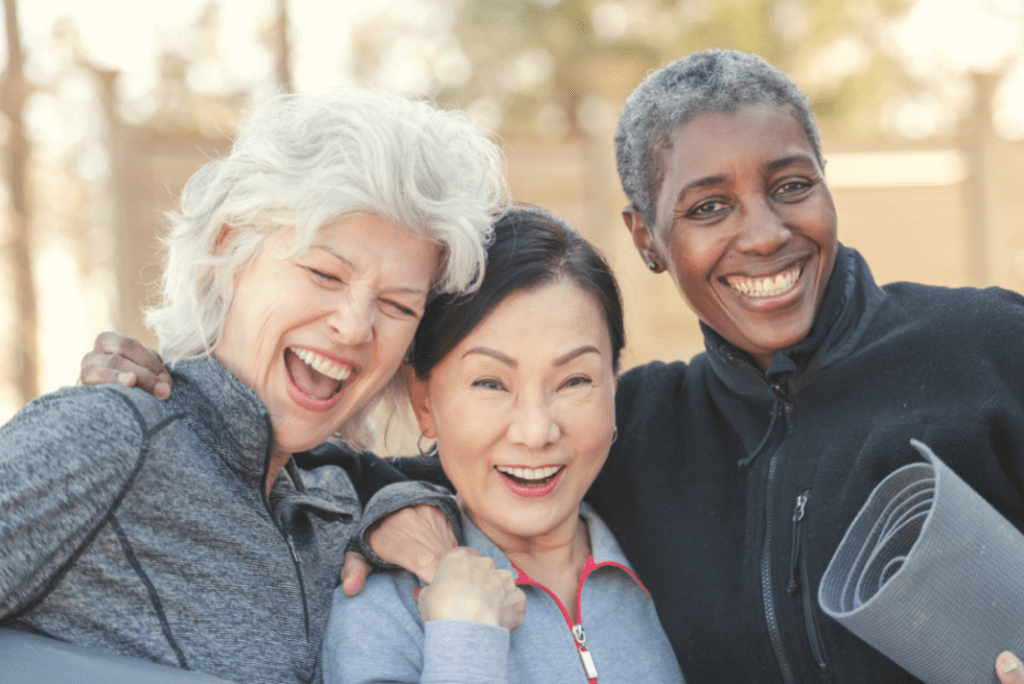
(799, 582)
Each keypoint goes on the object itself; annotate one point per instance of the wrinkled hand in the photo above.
(1009, 669)
(415, 538)
(468, 587)
(116, 358)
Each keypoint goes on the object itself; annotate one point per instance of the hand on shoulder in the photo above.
(468, 587)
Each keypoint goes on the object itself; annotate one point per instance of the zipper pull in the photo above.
(801, 503)
(794, 554)
(585, 657)
(291, 547)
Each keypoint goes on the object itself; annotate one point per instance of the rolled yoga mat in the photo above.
(33, 659)
(930, 575)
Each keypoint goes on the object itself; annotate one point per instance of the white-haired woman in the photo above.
(181, 532)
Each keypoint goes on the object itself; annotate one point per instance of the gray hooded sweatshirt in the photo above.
(140, 527)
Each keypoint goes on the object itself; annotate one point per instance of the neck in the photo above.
(555, 559)
(277, 460)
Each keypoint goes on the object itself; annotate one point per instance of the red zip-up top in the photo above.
(576, 629)
(379, 635)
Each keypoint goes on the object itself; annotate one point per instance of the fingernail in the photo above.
(162, 390)
(1007, 664)
(126, 379)
(416, 593)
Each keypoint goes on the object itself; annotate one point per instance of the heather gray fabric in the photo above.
(930, 575)
(379, 635)
(32, 659)
(139, 527)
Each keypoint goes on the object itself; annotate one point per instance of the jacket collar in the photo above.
(603, 546)
(229, 418)
(850, 302)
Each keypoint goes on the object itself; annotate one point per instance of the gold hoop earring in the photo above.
(431, 450)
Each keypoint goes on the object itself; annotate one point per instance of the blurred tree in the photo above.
(25, 352)
(194, 92)
(534, 64)
(282, 48)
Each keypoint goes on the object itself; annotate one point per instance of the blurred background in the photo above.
(108, 106)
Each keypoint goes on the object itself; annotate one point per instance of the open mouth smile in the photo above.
(767, 286)
(531, 481)
(315, 381)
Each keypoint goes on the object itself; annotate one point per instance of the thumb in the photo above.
(354, 573)
(1009, 669)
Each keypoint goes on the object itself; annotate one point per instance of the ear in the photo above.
(224, 238)
(420, 398)
(643, 239)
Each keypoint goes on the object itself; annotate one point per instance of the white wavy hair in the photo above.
(305, 161)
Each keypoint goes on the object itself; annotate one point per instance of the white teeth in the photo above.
(770, 286)
(530, 473)
(323, 365)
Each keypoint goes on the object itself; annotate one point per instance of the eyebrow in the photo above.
(566, 358)
(512, 363)
(700, 183)
(786, 161)
(351, 266)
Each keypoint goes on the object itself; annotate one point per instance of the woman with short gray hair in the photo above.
(736, 475)
(181, 532)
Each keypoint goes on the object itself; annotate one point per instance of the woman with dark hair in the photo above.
(516, 382)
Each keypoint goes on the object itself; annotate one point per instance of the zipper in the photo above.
(794, 555)
(296, 561)
(798, 579)
(581, 647)
(780, 405)
(578, 636)
(766, 577)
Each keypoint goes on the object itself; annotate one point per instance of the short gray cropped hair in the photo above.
(714, 81)
(304, 161)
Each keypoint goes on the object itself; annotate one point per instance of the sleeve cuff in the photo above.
(395, 497)
(464, 652)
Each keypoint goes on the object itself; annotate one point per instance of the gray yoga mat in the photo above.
(32, 659)
(930, 575)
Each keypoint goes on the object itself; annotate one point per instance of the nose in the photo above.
(352, 319)
(763, 230)
(532, 425)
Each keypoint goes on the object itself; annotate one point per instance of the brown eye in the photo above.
(577, 381)
(708, 208)
(793, 187)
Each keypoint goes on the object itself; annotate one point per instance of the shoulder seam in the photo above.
(140, 461)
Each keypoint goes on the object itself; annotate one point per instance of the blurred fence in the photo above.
(913, 212)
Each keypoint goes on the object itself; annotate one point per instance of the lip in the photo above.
(319, 405)
(531, 491)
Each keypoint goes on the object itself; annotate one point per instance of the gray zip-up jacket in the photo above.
(379, 636)
(140, 527)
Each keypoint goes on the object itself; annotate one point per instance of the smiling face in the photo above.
(317, 336)
(745, 225)
(523, 410)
